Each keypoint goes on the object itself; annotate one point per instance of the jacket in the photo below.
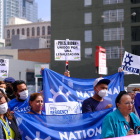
(13, 125)
(115, 125)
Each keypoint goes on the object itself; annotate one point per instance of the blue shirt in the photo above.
(115, 125)
(91, 105)
(15, 105)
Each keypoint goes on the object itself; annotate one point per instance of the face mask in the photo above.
(23, 95)
(3, 90)
(3, 108)
(102, 93)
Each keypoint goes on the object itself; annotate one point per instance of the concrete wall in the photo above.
(19, 66)
(10, 52)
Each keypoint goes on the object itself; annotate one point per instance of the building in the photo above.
(15, 20)
(31, 30)
(81, 20)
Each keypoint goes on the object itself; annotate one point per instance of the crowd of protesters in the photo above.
(14, 94)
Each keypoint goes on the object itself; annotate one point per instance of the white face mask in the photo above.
(23, 95)
(102, 93)
(3, 108)
(3, 90)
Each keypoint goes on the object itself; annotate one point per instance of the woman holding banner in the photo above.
(8, 125)
(36, 103)
(121, 122)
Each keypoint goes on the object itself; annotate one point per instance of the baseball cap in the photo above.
(101, 80)
(9, 80)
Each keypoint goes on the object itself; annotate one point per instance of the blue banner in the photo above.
(66, 127)
(60, 88)
(137, 104)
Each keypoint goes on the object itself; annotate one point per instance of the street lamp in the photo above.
(133, 14)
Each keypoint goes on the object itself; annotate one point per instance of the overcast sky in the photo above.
(44, 9)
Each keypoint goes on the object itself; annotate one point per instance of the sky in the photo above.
(44, 9)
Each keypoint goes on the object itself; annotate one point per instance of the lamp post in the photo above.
(133, 14)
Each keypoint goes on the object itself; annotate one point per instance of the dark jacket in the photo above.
(13, 125)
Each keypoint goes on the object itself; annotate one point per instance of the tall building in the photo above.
(81, 20)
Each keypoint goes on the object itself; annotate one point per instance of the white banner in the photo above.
(62, 108)
(67, 50)
(131, 63)
(4, 68)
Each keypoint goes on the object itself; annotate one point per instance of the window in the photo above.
(18, 31)
(38, 31)
(43, 30)
(114, 52)
(113, 15)
(13, 32)
(8, 33)
(135, 33)
(112, 1)
(135, 1)
(88, 52)
(22, 31)
(88, 36)
(88, 18)
(113, 34)
(135, 18)
(33, 31)
(49, 30)
(28, 32)
(87, 2)
(135, 49)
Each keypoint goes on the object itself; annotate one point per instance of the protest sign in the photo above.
(60, 88)
(62, 108)
(67, 50)
(61, 127)
(131, 63)
(4, 68)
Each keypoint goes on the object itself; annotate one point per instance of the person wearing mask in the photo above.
(21, 102)
(8, 125)
(36, 103)
(121, 122)
(3, 86)
(97, 102)
(9, 88)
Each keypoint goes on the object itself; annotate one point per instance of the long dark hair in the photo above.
(7, 114)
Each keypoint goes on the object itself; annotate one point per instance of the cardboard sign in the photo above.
(67, 50)
(4, 68)
(62, 108)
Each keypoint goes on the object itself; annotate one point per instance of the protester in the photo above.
(3, 86)
(21, 93)
(36, 103)
(97, 102)
(9, 88)
(8, 125)
(121, 122)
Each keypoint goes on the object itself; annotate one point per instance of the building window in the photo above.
(88, 52)
(43, 30)
(135, 49)
(135, 18)
(49, 30)
(112, 1)
(13, 32)
(8, 33)
(28, 32)
(135, 33)
(38, 31)
(88, 18)
(135, 1)
(33, 31)
(114, 52)
(87, 2)
(18, 31)
(22, 31)
(113, 15)
(113, 34)
(88, 36)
